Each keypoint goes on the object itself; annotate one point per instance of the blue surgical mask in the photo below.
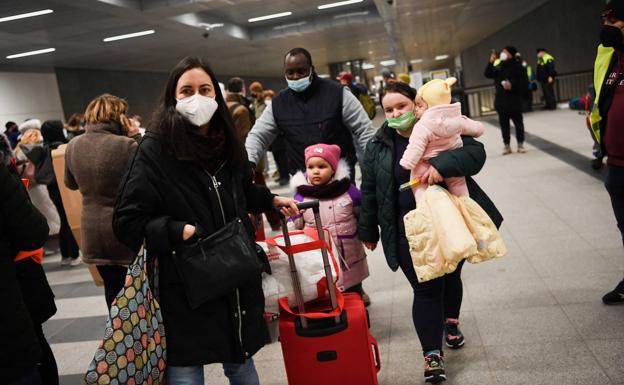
(300, 85)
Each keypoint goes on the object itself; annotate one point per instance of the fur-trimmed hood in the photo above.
(301, 179)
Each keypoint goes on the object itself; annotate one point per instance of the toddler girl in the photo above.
(438, 129)
(327, 180)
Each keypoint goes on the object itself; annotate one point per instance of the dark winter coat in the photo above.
(380, 194)
(22, 227)
(508, 101)
(108, 153)
(158, 197)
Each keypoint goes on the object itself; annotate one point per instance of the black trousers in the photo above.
(615, 187)
(47, 368)
(281, 161)
(518, 122)
(114, 277)
(67, 242)
(549, 95)
(434, 301)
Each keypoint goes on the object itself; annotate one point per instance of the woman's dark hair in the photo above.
(399, 88)
(52, 132)
(177, 134)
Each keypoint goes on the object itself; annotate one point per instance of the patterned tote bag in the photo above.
(133, 351)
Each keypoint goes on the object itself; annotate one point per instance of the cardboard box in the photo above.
(72, 202)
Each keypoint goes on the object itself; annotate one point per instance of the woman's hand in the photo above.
(128, 126)
(188, 232)
(370, 245)
(288, 206)
(431, 176)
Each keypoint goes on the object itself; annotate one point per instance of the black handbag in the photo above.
(216, 265)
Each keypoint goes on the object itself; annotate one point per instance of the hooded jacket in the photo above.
(339, 215)
(439, 129)
(444, 229)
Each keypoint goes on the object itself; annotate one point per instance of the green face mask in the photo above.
(403, 122)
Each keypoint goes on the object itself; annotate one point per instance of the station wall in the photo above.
(141, 89)
(568, 29)
(29, 95)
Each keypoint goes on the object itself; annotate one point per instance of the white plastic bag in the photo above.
(309, 267)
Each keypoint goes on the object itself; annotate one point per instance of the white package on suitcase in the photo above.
(309, 267)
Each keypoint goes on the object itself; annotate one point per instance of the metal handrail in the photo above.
(567, 86)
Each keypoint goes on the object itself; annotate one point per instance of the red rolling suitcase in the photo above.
(326, 341)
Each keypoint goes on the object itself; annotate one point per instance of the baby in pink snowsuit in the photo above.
(438, 129)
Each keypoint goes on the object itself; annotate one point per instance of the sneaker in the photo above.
(615, 297)
(434, 368)
(507, 150)
(521, 149)
(65, 261)
(596, 163)
(75, 262)
(452, 335)
(365, 299)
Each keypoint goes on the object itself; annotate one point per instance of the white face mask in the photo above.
(268, 102)
(198, 109)
(503, 56)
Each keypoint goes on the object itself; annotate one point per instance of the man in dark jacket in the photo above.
(511, 81)
(546, 76)
(311, 110)
(607, 117)
(22, 227)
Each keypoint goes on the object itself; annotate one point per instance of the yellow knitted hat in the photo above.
(437, 91)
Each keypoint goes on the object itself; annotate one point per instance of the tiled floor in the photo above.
(532, 317)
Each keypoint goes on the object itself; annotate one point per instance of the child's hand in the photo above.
(370, 245)
(431, 176)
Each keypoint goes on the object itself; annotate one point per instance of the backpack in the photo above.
(369, 105)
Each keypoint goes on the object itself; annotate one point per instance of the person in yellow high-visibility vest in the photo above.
(607, 116)
(546, 76)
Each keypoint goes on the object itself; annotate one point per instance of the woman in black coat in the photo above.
(25, 356)
(181, 182)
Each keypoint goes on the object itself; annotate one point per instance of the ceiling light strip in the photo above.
(268, 17)
(387, 63)
(25, 15)
(339, 4)
(129, 35)
(30, 53)
(442, 57)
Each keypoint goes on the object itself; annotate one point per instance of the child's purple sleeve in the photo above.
(299, 198)
(356, 195)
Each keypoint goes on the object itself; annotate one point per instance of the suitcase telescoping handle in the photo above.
(315, 206)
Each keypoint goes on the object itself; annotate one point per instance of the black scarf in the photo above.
(327, 191)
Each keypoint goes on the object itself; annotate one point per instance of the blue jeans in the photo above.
(238, 374)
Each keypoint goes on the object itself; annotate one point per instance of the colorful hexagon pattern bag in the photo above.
(133, 351)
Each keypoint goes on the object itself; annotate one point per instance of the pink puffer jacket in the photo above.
(339, 216)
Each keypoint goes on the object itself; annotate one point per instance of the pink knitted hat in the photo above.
(329, 152)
